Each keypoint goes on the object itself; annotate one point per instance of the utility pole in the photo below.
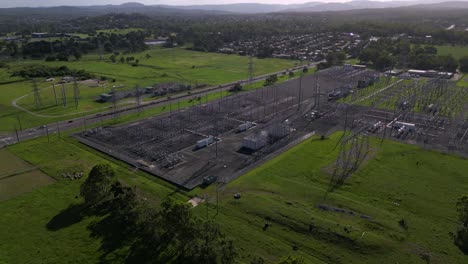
(251, 70)
(299, 97)
(37, 95)
(138, 98)
(47, 132)
(17, 135)
(64, 96)
(317, 94)
(76, 92)
(19, 122)
(55, 94)
(58, 130)
(114, 102)
(217, 198)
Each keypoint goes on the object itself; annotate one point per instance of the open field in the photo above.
(163, 65)
(119, 31)
(463, 82)
(456, 51)
(18, 177)
(34, 237)
(398, 182)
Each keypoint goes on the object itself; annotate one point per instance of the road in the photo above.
(87, 120)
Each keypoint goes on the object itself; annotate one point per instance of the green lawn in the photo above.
(18, 177)
(26, 219)
(463, 82)
(398, 182)
(162, 65)
(455, 51)
(119, 31)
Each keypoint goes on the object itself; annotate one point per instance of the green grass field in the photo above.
(163, 65)
(119, 31)
(456, 51)
(398, 182)
(68, 241)
(463, 82)
(18, 177)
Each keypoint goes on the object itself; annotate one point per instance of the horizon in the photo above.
(51, 3)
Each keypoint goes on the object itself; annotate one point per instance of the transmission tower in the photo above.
(76, 92)
(354, 149)
(317, 94)
(37, 95)
(251, 70)
(64, 96)
(100, 49)
(299, 97)
(138, 97)
(114, 102)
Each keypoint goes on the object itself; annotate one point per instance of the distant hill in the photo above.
(248, 8)
(444, 5)
(245, 8)
(369, 4)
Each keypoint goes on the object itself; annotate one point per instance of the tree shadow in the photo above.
(67, 217)
(112, 232)
(74, 214)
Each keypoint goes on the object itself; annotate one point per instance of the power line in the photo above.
(76, 92)
(251, 70)
(37, 94)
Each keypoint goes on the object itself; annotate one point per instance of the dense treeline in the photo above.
(211, 32)
(37, 71)
(192, 27)
(131, 42)
(171, 234)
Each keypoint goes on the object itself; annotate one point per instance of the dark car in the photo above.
(209, 180)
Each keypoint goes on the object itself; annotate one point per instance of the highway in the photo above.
(87, 120)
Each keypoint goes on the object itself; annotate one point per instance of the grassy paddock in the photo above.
(18, 177)
(162, 65)
(456, 51)
(398, 182)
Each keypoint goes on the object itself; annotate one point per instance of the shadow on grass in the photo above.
(112, 230)
(74, 214)
(67, 217)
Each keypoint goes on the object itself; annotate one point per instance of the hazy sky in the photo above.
(34, 3)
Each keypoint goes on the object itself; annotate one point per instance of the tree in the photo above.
(464, 64)
(462, 210)
(12, 47)
(97, 187)
(50, 58)
(447, 63)
(77, 55)
(383, 62)
(461, 237)
(272, 79)
(265, 51)
(62, 57)
(236, 88)
(335, 58)
(108, 46)
(257, 260)
(291, 74)
(122, 60)
(292, 260)
(112, 58)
